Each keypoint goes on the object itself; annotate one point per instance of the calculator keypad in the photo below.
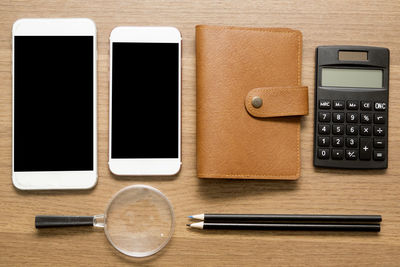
(351, 130)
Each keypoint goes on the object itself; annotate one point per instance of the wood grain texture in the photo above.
(359, 22)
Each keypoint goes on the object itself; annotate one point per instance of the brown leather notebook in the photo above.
(249, 102)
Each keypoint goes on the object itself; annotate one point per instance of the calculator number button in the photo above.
(323, 141)
(324, 129)
(325, 104)
(323, 153)
(337, 141)
(351, 130)
(365, 105)
(380, 106)
(365, 148)
(352, 142)
(351, 154)
(352, 104)
(365, 130)
(324, 116)
(379, 131)
(337, 154)
(352, 117)
(379, 143)
(379, 118)
(338, 104)
(338, 129)
(365, 118)
(338, 117)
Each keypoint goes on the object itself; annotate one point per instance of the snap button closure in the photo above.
(257, 102)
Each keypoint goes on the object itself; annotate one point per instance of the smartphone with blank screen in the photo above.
(54, 142)
(145, 101)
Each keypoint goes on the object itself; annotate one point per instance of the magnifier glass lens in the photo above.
(139, 221)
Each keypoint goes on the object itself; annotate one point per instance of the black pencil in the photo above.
(287, 226)
(286, 218)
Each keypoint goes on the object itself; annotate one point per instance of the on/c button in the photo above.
(380, 106)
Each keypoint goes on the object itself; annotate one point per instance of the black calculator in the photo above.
(351, 107)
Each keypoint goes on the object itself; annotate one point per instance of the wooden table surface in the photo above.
(374, 23)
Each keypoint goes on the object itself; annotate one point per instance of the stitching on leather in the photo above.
(299, 46)
(216, 27)
(282, 114)
(247, 175)
(298, 60)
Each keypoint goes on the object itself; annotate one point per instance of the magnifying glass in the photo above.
(139, 221)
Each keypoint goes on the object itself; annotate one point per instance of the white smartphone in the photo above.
(54, 144)
(145, 101)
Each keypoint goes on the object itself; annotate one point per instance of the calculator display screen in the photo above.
(361, 78)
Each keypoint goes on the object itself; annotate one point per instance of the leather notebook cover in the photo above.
(249, 102)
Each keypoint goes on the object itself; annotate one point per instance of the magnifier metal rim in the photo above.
(151, 252)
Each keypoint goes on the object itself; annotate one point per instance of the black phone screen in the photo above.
(145, 100)
(53, 103)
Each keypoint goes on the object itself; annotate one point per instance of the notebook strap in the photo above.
(266, 102)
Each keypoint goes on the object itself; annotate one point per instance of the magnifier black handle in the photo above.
(46, 221)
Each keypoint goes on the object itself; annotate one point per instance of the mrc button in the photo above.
(324, 104)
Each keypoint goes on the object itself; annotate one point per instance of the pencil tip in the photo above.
(187, 224)
(190, 217)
